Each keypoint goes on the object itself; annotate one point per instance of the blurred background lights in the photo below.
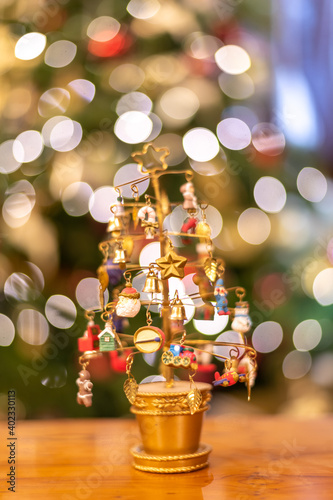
(60, 54)
(28, 146)
(150, 253)
(322, 369)
(134, 101)
(103, 28)
(254, 226)
(228, 336)
(212, 167)
(54, 376)
(143, 9)
(75, 198)
(267, 336)
(66, 135)
(8, 163)
(30, 45)
(7, 331)
(268, 139)
(233, 133)
(311, 184)
(32, 327)
(53, 102)
(270, 194)
(16, 209)
(133, 127)
(201, 144)
(179, 103)
(236, 86)
(49, 126)
(323, 287)
(232, 59)
(87, 293)
(296, 364)
(100, 203)
(202, 46)
(127, 173)
(126, 78)
(83, 88)
(20, 287)
(211, 327)
(214, 219)
(60, 311)
(307, 335)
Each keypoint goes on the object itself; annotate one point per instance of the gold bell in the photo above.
(177, 310)
(120, 257)
(115, 226)
(151, 283)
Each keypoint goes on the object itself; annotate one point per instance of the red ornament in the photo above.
(90, 340)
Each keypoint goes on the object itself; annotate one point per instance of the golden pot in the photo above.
(170, 433)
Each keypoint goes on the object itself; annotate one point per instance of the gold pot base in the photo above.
(171, 464)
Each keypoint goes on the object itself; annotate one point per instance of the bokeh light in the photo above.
(202, 46)
(66, 135)
(270, 194)
(126, 78)
(268, 139)
(16, 209)
(134, 101)
(179, 103)
(20, 287)
(307, 335)
(75, 198)
(233, 59)
(150, 253)
(32, 327)
(311, 184)
(211, 327)
(87, 293)
(201, 144)
(100, 203)
(28, 146)
(236, 86)
(228, 336)
(143, 9)
(53, 101)
(30, 46)
(103, 28)
(267, 336)
(233, 133)
(7, 331)
(130, 173)
(8, 163)
(322, 369)
(133, 127)
(60, 311)
(323, 287)
(60, 54)
(83, 88)
(254, 226)
(296, 364)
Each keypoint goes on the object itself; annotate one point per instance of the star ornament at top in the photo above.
(148, 163)
(172, 265)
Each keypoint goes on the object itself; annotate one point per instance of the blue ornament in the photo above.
(221, 298)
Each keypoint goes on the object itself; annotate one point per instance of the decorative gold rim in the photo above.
(169, 413)
(137, 452)
(170, 470)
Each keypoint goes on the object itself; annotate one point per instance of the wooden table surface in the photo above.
(253, 457)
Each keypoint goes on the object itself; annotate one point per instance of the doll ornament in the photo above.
(84, 396)
(221, 298)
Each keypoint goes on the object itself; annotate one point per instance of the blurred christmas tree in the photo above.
(82, 85)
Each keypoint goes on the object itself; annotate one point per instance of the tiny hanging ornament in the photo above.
(194, 397)
(242, 321)
(230, 374)
(188, 227)
(190, 200)
(89, 341)
(130, 385)
(147, 215)
(128, 304)
(210, 268)
(108, 338)
(221, 298)
(172, 265)
(84, 396)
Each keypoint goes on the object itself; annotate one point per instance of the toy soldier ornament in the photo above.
(221, 298)
(84, 396)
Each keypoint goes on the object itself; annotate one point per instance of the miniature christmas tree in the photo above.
(169, 412)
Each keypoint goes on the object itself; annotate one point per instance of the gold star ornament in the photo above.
(172, 265)
(151, 159)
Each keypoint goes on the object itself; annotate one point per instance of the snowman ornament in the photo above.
(242, 321)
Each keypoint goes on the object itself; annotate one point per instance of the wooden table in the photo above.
(252, 458)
